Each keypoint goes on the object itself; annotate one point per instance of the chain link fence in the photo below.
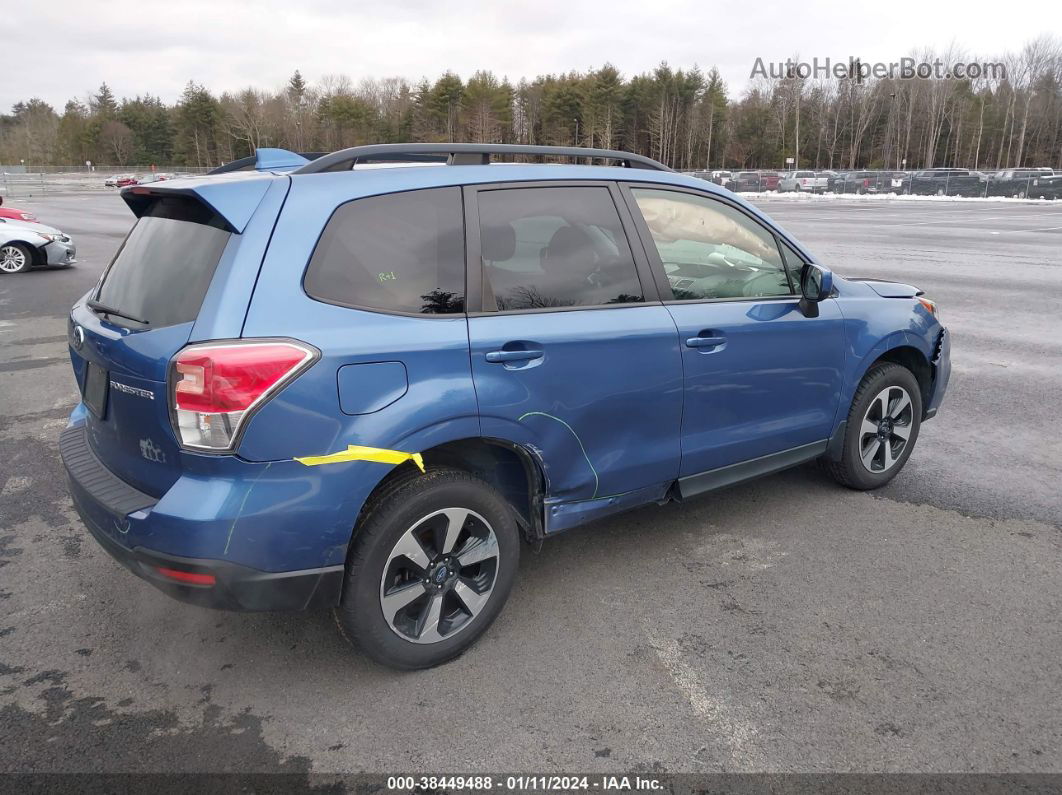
(24, 181)
(1010, 183)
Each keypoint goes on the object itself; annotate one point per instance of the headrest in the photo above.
(568, 240)
(497, 242)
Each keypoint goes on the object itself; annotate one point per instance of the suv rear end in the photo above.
(150, 450)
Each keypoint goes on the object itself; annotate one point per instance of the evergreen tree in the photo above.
(103, 104)
(197, 122)
(296, 88)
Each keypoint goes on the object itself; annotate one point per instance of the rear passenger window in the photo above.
(403, 252)
(555, 247)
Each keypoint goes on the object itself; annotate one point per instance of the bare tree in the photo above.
(117, 139)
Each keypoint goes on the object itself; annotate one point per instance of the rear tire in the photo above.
(882, 428)
(15, 258)
(429, 569)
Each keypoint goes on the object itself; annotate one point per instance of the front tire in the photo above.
(882, 428)
(15, 258)
(429, 569)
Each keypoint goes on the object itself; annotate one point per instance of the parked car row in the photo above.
(124, 180)
(1018, 183)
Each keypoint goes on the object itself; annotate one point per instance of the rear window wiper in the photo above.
(110, 310)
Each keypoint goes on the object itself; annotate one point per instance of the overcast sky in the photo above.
(67, 48)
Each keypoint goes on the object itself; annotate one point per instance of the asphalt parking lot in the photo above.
(783, 625)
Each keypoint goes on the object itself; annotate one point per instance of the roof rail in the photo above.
(464, 155)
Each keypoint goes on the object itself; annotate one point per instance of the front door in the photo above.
(760, 377)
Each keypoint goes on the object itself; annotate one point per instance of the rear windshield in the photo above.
(164, 267)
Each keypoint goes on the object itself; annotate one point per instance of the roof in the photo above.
(367, 182)
(236, 195)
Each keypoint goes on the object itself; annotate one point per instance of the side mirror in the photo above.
(816, 284)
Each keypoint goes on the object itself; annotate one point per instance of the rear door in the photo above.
(124, 332)
(573, 355)
(760, 377)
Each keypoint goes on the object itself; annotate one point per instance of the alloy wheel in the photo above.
(439, 575)
(12, 259)
(886, 429)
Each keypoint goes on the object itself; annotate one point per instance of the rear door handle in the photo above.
(704, 342)
(513, 356)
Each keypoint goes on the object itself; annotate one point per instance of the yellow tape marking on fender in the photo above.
(357, 453)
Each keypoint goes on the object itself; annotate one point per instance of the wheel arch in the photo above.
(37, 256)
(510, 468)
(913, 359)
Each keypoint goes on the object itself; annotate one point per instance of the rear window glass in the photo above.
(403, 252)
(164, 267)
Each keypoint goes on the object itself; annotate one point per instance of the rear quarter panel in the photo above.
(306, 418)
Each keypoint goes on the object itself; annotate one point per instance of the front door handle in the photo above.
(704, 342)
(513, 356)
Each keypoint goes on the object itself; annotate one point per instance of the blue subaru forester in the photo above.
(359, 381)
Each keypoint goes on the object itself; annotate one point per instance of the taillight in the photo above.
(216, 386)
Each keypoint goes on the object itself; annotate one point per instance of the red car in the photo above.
(15, 214)
(121, 182)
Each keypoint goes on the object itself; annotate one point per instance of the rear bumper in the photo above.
(941, 373)
(107, 506)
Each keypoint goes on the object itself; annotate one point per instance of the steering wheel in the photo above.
(718, 257)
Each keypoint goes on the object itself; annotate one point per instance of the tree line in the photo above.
(685, 118)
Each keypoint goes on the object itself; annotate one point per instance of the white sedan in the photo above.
(24, 245)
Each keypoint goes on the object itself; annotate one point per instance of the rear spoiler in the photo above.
(234, 199)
